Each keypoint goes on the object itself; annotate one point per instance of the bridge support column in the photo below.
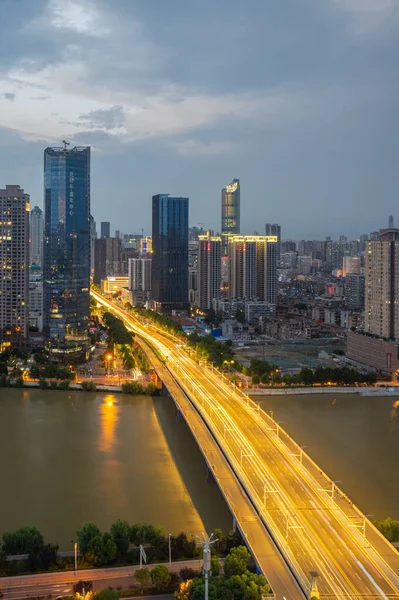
(234, 524)
(164, 390)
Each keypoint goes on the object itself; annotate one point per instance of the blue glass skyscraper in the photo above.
(66, 269)
(169, 273)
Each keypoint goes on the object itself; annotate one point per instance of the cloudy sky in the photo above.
(297, 98)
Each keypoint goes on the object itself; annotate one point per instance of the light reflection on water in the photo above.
(71, 457)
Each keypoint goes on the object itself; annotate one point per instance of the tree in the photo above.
(389, 528)
(88, 532)
(26, 540)
(215, 566)
(120, 531)
(236, 562)
(3, 368)
(142, 576)
(255, 379)
(160, 576)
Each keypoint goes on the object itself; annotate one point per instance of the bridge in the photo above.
(295, 520)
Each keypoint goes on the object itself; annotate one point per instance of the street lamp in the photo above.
(109, 357)
(75, 548)
(170, 550)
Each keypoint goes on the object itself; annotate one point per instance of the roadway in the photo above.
(61, 583)
(314, 524)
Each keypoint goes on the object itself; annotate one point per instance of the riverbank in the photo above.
(90, 386)
(291, 391)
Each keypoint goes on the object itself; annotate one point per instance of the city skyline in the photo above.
(306, 118)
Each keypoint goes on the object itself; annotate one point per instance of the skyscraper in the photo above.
(354, 291)
(209, 269)
(274, 229)
(105, 229)
(36, 236)
(390, 222)
(230, 212)
(66, 249)
(382, 285)
(252, 267)
(14, 267)
(169, 274)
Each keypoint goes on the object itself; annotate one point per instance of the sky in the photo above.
(297, 98)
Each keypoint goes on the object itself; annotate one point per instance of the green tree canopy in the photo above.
(160, 576)
(26, 540)
(142, 576)
(236, 562)
(120, 531)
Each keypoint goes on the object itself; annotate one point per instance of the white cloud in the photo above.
(80, 16)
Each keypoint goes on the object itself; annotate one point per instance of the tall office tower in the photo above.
(193, 249)
(93, 237)
(105, 230)
(169, 276)
(66, 250)
(36, 298)
(390, 222)
(382, 285)
(253, 267)
(36, 236)
(100, 260)
(350, 264)
(274, 229)
(209, 269)
(14, 267)
(354, 291)
(230, 213)
(140, 279)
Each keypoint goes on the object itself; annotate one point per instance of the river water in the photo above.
(71, 457)
(355, 439)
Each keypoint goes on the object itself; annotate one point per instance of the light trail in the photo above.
(312, 528)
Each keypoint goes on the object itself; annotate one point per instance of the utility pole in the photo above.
(207, 542)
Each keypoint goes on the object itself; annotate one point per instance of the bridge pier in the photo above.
(164, 390)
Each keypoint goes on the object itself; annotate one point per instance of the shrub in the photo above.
(89, 386)
(19, 382)
(64, 385)
(43, 385)
(53, 385)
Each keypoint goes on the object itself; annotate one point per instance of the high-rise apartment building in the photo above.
(146, 245)
(274, 229)
(390, 222)
(350, 264)
(354, 291)
(105, 230)
(382, 285)
(253, 267)
(209, 269)
(230, 212)
(36, 236)
(36, 298)
(169, 276)
(140, 279)
(14, 266)
(66, 249)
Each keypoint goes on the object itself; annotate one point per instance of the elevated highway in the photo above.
(306, 523)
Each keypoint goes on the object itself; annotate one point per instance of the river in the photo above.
(71, 457)
(354, 438)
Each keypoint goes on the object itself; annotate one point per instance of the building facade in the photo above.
(209, 269)
(253, 267)
(230, 213)
(140, 274)
(66, 250)
(350, 264)
(169, 271)
(14, 267)
(354, 291)
(382, 286)
(36, 299)
(105, 230)
(36, 236)
(275, 229)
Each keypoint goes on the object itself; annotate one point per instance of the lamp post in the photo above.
(207, 542)
(75, 548)
(170, 550)
(109, 357)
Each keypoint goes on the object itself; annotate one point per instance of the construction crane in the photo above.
(65, 144)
